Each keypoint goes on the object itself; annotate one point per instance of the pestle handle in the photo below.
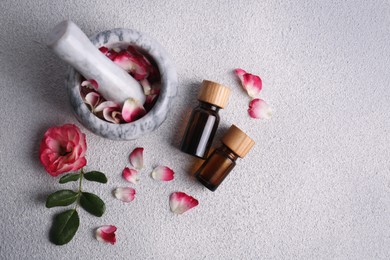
(73, 46)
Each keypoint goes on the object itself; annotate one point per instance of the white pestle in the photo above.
(73, 46)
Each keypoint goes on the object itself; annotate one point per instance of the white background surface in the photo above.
(315, 186)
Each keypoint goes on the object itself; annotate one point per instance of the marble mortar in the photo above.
(121, 38)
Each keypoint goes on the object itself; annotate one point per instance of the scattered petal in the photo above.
(125, 194)
(181, 202)
(137, 158)
(92, 99)
(92, 84)
(106, 234)
(132, 110)
(240, 73)
(130, 175)
(251, 83)
(258, 108)
(162, 173)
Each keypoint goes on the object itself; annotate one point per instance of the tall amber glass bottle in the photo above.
(235, 143)
(204, 120)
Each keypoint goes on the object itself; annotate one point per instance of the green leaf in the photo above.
(69, 177)
(64, 227)
(95, 176)
(61, 198)
(92, 203)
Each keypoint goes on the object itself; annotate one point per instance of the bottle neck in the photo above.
(227, 152)
(208, 106)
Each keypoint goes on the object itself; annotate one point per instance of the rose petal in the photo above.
(132, 110)
(180, 202)
(142, 59)
(240, 73)
(132, 64)
(106, 234)
(251, 83)
(92, 99)
(156, 87)
(106, 104)
(112, 115)
(162, 173)
(137, 158)
(117, 116)
(130, 175)
(103, 50)
(112, 55)
(258, 108)
(125, 194)
(92, 84)
(111, 111)
(146, 86)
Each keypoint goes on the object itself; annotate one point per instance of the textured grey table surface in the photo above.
(315, 186)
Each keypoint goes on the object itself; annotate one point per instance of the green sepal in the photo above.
(69, 177)
(61, 198)
(95, 176)
(64, 227)
(92, 203)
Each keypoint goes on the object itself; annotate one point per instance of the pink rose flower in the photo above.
(63, 149)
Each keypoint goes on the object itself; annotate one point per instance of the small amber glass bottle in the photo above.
(204, 120)
(235, 143)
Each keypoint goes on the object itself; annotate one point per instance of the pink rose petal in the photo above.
(133, 64)
(180, 202)
(112, 115)
(240, 73)
(162, 173)
(137, 158)
(106, 234)
(111, 54)
(103, 50)
(132, 110)
(111, 111)
(139, 56)
(106, 104)
(258, 108)
(125, 194)
(146, 86)
(92, 99)
(92, 84)
(130, 175)
(251, 83)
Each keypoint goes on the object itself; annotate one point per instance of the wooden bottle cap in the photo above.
(237, 141)
(214, 93)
